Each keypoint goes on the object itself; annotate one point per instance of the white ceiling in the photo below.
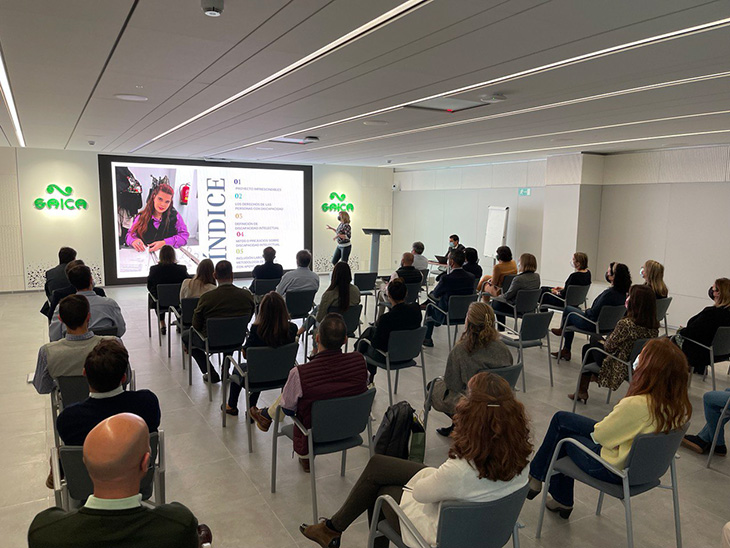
(66, 61)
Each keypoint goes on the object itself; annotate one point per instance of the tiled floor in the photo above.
(210, 470)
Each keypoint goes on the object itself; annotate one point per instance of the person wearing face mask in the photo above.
(454, 245)
(653, 274)
(528, 278)
(581, 276)
(703, 326)
(619, 277)
(343, 233)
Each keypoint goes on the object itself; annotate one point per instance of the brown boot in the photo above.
(321, 534)
(564, 355)
(556, 331)
(582, 395)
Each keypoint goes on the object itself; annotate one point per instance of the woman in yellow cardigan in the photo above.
(656, 402)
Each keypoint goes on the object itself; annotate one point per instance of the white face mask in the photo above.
(636, 363)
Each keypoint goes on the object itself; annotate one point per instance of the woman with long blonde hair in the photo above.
(653, 274)
(343, 233)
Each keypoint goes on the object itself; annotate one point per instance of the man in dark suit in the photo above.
(457, 282)
(225, 301)
(117, 457)
(59, 294)
(56, 276)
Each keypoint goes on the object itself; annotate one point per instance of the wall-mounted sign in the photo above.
(60, 202)
(524, 192)
(341, 206)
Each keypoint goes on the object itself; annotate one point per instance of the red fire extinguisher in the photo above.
(184, 194)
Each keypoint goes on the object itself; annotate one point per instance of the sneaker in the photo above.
(428, 343)
(262, 422)
(321, 534)
(696, 444)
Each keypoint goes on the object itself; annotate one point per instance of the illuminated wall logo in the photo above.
(342, 206)
(62, 202)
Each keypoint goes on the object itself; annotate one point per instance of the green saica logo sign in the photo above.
(62, 202)
(342, 206)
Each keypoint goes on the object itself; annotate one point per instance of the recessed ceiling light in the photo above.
(139, 87)
(296, 140)
(130, 97)
(375, 122)
(264, 148)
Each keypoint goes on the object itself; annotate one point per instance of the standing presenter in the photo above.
(159, 223)
(343, 233)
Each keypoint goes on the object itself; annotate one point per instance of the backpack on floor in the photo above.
(394, 438)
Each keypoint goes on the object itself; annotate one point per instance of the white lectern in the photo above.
(376, 233)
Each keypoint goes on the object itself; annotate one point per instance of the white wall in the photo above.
(11, 248)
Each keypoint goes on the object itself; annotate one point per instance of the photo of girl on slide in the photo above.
(159, 222)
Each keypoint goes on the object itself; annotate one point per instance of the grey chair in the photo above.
(300, 303)
(184, 320)
(337, 425)
(650, 457)
(507, 281)
(724, 416)
(72, 487)
(352, 320)
(525, 302)
(403, 348)
(534, 328)
(260, 287)
(225, 336)
(424, 272)
(266, 368)
(607, 319)
(455, 315)
(720, 347)
(589, 366)
(662, 306)
(365, 282)
(167, 295)
(68, 390)
(575, 295)
(460, 524)
(108, 331)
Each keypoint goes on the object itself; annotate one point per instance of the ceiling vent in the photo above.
(296, 140)
(451, 104)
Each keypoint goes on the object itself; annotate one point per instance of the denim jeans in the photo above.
(577, 321)
(714, 402)
(569, 425)
(341, 254)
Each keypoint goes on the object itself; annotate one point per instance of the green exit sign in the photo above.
(524, 191)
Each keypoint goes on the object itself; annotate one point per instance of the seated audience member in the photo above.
(471, 264)
(407, 272)
(105, 312)
(401, 317)
(454, 245)
(488, 459)
(703, 326)
(580, 276)
(492, 283)
(714, 402)
(528, 278)
(56, 277)
(272, 328)
(619, 277)
(479, 348)
(225, 301)
(106, 369)
(457, 282)
(66, 357)
(166, 271)
(656, 402)
(653, 274)
(117, 457)
(59, 294)
(419, 261)
(202, 282)
(341, 294)
(328, 374)
(267, 271)
(301, 278)
(639, 323)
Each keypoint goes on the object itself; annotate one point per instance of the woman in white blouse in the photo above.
(203, 281)
(487, 461)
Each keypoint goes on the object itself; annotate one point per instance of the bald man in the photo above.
(117, 457)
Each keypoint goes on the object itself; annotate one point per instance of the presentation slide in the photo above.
(205, 211)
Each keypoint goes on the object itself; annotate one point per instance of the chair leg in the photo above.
(423, 373)
(550, 360)
(274, 443)
(448, 332)
(577, 388)
(149, 323)
(675, 501)
(344, 461)
(516, 536)
(719, 426)
(608, 397)
(159, 327)
(390, 388)
(712, 367)
(249, 432)
(371, 449)
(208, 382)
(600, 503)
(560, 345)
(190, 365)
(312, 478)
(627, 509)
(397, 376)
(169, 334)
(224, 385)
(666, 326)
(520, 353)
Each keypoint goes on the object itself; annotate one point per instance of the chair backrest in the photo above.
(406, 345)
(77, 477)
(662, 306)
(269, 365)
(262, 287)
(609, 316)
(458, 307)
(108, 331)
(511, 373)
(576, 295)
(341, 418)
(365, 281)
(412, 292)
(168, 295)
(300, 303)
(526, 300)
(479, 524)
(424, 273)
(721, 342)
(73, 388)
(651, 455)
(187, 307)
(535, 325)
(507, 281)
(636, 349)
(351, 317)
(227, 333)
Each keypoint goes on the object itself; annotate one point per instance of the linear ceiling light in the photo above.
(681, 33)
(360, 32)
(547, 149)
(9, 101)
